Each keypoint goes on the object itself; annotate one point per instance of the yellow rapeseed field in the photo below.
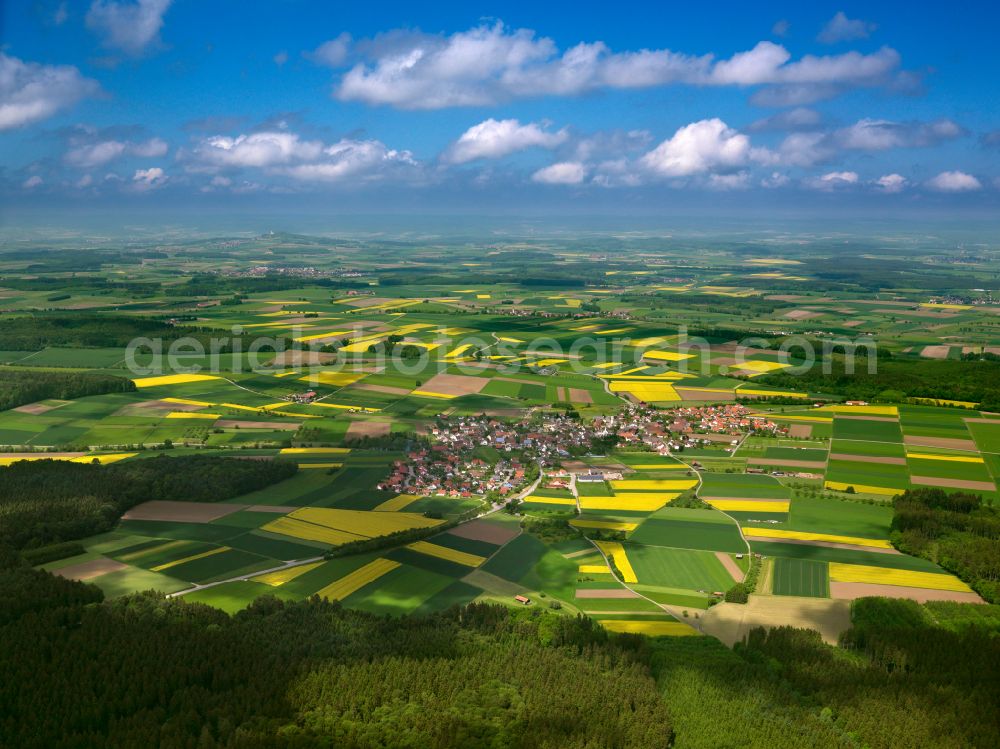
(653, 484)
(860, 573)
(634, 502)
(443, 552)
(280, 577)
(862, 410)
(646, 390)
(431, 394)
(335, 379)
(874, 543)
(953, 458)
(550, 500)
(174, 379)
(841, 486)
(745, 505)
(761, 366)
(397, 503)
(666, 355)
(192, 415)
(772, 393)
(315, 450)
(309, 531)
(616, 551)
(655, 628)
(593, 569)
(340, 589)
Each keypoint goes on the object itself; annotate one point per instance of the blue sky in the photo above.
(287, 106)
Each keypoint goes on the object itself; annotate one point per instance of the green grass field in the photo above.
(801, 577)
(678, 568)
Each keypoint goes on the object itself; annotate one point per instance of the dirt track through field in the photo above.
(730, 564)
(869, 459)
(947, 442)
(850, 591)
(481, 530)
(776, 463)
(449, 384)
(359, 429)
(181, 512)
(278, 426)
(986, 486)
(606, 593)
(89, 570)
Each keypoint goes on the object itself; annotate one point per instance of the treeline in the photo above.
(35, 332)
(46, 502)
(897, 379)
(18, 388)
(955, 530)
(213, 285)
(144, 671)
(147, 671)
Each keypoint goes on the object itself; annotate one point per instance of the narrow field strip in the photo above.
(340, 589)
(860, 573)
(616, 552)
(807, 536)
(749, 505)
(443, 552)
(280, 577)
(168, 565)
(653, 629)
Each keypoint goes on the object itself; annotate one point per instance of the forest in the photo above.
(35, 332)
(20, 388)
(897, 379)
(955, 530)
(148, 671)
(45, 502)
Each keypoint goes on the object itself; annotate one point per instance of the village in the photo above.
(477, 455)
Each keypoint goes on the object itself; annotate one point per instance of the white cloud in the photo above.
(840, 28)
(30, 92)
(892, 182)
(775, 180)
(145, 180)
(332, 53)
(280, 59)
(879, 135)
(488, 64)
(265, 149)
(284, 153)
(954, 181)
(834, 180)
(84, 181)
(738, 181)
(367, 159)
(127, 26)
(703, 146)
(32, 182)
(563, 173)
(89, 155)
(492, 139)
(781, 27)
